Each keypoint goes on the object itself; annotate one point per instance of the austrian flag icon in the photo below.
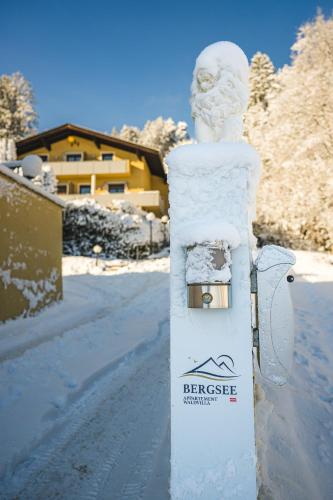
(233, 400)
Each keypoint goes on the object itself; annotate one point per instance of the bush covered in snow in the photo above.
(121, 230)
(46, 179)
(306, 234)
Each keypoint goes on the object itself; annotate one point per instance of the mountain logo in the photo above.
(220, 369)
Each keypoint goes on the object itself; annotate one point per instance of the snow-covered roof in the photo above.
(25, 182)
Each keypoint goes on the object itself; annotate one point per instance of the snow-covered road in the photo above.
(80, 417)
(115, 444)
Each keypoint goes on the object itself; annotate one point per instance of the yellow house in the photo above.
(95, 165)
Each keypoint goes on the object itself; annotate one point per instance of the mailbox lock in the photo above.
(207, 298)
(290, 278)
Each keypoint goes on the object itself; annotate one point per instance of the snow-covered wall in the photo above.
(30, 250)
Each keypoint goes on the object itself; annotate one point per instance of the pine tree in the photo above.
(262, 80)
(17, 114)
(263, 88)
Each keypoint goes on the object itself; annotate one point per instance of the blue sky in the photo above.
(103, 63)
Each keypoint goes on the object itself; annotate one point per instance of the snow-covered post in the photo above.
(97, 249)
(212, 203)
(165, 222)
(150, 218)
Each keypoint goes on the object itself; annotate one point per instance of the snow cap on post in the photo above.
(150, 217)
(220, 93)
(226, 54)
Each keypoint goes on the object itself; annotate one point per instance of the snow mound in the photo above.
(201, 232)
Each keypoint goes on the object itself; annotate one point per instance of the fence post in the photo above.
(212, 192)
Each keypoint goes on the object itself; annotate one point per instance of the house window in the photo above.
(73, 156)
(107, 156)
(85, 189)
(62, 188)
(116, 188)
(44, 157)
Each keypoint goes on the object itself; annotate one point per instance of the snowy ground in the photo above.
(295, 422)
(80, 418)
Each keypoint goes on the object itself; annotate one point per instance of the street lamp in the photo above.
(97, 249)
(150, 218)
(165, 221)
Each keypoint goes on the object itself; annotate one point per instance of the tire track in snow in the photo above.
(125, 424)
(129, 476)
(18, 346)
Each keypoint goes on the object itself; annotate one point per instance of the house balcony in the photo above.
(143, 199)
(93, 167)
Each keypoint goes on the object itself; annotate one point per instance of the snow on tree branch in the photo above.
(159, 134)
(290, 123)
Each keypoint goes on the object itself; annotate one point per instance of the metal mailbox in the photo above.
(204, 290)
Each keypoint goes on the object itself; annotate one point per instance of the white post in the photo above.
(212, 190)
(93, 184)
